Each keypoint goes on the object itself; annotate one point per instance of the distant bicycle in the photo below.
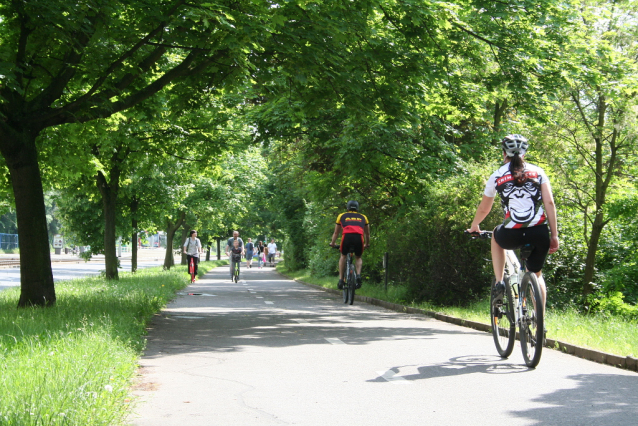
(236, 260)
(191, 269)
(350, 281)
(521, 307)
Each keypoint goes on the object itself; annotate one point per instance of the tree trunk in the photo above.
(207, 252)
(109, 191)
(36, 278)
(134, 206)
(592, 249)
(185, 229)
(499, 111)
(170, 234)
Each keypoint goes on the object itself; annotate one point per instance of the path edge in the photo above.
(626, 363)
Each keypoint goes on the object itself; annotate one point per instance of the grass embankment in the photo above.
(607, 333)
(72, 364)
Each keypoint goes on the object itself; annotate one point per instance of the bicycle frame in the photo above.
(515, 272)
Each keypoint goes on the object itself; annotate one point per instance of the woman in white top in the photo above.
(192, 249)
(528, 204)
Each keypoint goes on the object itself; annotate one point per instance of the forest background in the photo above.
(267, 117)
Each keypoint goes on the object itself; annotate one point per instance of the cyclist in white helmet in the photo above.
(528, 204)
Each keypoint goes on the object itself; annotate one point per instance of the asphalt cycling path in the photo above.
(270, 351)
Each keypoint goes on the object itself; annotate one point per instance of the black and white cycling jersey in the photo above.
(522, 204)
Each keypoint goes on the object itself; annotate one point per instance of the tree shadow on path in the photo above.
(596, 399)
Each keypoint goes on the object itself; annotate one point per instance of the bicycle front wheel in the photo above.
(532, 321)
(503, 322)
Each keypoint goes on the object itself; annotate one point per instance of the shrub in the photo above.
(615, 305)
(323, 261)
(429, 252)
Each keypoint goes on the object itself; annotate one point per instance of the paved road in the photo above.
(10, 277)
(270, 351)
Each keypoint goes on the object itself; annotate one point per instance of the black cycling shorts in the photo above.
(352, 240)
(513, 239)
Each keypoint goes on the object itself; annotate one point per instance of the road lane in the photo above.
(308, 359)
(10, 277)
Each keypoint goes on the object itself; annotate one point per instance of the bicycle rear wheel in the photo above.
(352, 283)
(532, 321)
(503, 323)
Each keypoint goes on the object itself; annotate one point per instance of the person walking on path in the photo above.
(192, 248)
(272, 250)
(260, 254)
(249, 252)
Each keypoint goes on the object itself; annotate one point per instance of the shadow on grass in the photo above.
(121, 308)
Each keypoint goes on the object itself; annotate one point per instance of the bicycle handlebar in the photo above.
(485, 235)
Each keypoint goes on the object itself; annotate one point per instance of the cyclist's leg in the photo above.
(358, 252)
(342, 266)
(538, 236)
(541, 284)
(498, 260)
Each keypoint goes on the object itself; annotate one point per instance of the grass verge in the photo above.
(72, 364)
(607, 333)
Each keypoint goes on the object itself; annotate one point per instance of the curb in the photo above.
(627, 363)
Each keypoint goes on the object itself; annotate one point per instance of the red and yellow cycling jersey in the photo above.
(352, 222)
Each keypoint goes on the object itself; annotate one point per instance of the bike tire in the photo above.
(346, 287)
(192, 270)
(352, 284)
(532, 324)
(503, 321)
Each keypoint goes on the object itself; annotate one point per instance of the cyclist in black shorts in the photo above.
(528, 203)
(355, 233)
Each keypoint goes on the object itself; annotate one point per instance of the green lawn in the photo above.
(72, 364)
(605, 333)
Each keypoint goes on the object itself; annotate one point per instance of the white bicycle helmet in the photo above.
(514, 144)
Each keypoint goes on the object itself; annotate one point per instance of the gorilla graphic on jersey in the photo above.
(521, 202)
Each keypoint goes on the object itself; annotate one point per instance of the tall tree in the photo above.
(594, 136)
(69, 61)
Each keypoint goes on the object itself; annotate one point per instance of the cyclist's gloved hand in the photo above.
(475, 229)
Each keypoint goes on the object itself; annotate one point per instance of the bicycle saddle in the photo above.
(526, 251)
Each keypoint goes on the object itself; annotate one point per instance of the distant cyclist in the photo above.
(528, 203)
(235, 255)
(192, 249)
(355, 233)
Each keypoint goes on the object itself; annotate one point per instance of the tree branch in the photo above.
(117, 63)
(68, 70)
